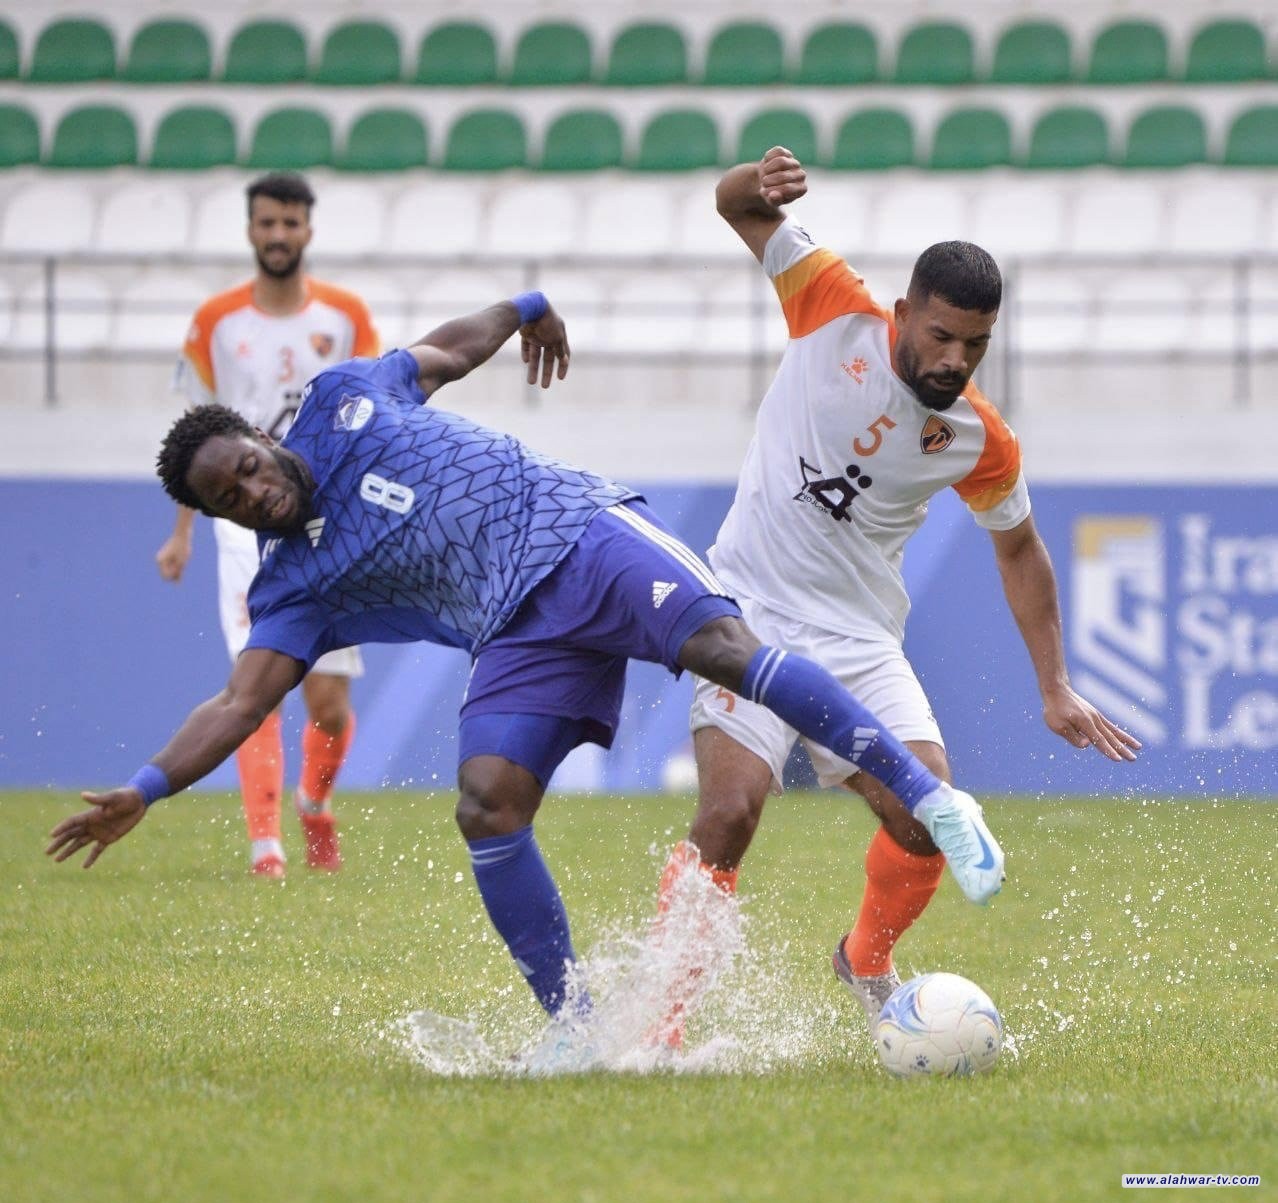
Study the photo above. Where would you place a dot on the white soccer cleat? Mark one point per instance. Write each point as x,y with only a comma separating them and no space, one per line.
953,820
870,991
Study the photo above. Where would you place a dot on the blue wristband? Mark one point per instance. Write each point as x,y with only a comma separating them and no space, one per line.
150,781
531,306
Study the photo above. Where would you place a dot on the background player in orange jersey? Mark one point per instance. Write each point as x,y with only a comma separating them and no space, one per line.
871,413
253,348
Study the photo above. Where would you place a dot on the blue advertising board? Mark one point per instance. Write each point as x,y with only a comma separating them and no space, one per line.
1170,611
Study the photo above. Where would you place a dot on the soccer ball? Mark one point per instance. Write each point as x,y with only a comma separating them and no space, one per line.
939,1023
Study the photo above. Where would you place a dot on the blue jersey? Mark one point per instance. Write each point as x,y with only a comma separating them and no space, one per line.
425,526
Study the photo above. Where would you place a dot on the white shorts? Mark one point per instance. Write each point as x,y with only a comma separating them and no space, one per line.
877,672
236,566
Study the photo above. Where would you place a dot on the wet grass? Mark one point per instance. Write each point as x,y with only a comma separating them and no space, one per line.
171,1029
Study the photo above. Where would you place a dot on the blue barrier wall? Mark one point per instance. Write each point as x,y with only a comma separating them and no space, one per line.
1171,617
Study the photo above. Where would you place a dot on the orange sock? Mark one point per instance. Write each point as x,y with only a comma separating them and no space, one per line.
322,758
898,887
261,763
682,855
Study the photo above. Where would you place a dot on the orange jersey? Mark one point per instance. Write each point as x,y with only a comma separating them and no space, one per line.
845,458
258,363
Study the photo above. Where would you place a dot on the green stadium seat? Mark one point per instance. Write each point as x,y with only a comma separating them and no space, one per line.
678,140
1032,52
745,54
385,140
19,136
1226,52
486,140
647,55
73,51
1129,52
790,128
1253,138
194,138
359,53
94,136
455,54
1166,136
168,52
582,140
1068,137
266,52
936,52
10,60
838,53
550,54
291,139
873,140
971,139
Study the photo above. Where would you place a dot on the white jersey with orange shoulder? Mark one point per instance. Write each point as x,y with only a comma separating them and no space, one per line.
258,363
845,458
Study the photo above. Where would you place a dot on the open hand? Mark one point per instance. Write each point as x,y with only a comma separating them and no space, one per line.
1078,722
543,344
781,177
110,816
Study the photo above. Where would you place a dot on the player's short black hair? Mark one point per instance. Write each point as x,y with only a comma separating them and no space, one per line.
960,273
186,436
287,187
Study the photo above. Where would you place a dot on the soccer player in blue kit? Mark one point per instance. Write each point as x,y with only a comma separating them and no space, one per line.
383,519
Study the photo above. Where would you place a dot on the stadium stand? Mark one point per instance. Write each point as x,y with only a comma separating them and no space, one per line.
1129,52
969,139
359,54
1033,52
168,52
1253,138
385,140
10,60
266,52
678,140
456,54
553,54
647,55
292,138
1166,136
19,136
778,127
745,54
194,138
873,140
1227,52
936,53
838,54
1069,137
73,51
582,140
486,140
94,136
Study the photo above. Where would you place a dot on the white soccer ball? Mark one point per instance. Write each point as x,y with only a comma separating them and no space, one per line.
939,1023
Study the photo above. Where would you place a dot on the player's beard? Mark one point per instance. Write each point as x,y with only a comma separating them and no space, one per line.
289,268
925,388
295,469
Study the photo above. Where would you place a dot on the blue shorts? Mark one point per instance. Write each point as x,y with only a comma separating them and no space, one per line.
629,590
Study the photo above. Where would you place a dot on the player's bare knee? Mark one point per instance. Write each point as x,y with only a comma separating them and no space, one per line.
720,651
494,799
734,814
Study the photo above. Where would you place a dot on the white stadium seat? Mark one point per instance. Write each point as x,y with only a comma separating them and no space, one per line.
1017,216
348,218
154,310
655,311
1221,214
1111,217
145,217
909,217
836,212
1051,311
700,233
1144,312
436,297
580,294
49,216
633,217
221,221
444,216
535,218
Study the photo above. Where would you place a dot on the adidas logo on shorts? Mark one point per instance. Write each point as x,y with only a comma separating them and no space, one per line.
661,590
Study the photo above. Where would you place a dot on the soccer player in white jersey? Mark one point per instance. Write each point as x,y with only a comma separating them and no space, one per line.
872,412
253,348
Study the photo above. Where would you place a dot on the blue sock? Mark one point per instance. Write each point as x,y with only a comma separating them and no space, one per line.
524,904
812,701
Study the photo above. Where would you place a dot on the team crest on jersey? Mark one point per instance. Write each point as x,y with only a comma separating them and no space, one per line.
322,344
937,434
352,413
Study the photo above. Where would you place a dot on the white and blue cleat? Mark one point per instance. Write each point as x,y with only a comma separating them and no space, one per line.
953,820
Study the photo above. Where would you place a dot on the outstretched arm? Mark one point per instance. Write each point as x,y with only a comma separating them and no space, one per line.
1030,586
456,348
749,196
212,731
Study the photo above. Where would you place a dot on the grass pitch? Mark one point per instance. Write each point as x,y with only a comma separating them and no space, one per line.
172,1030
